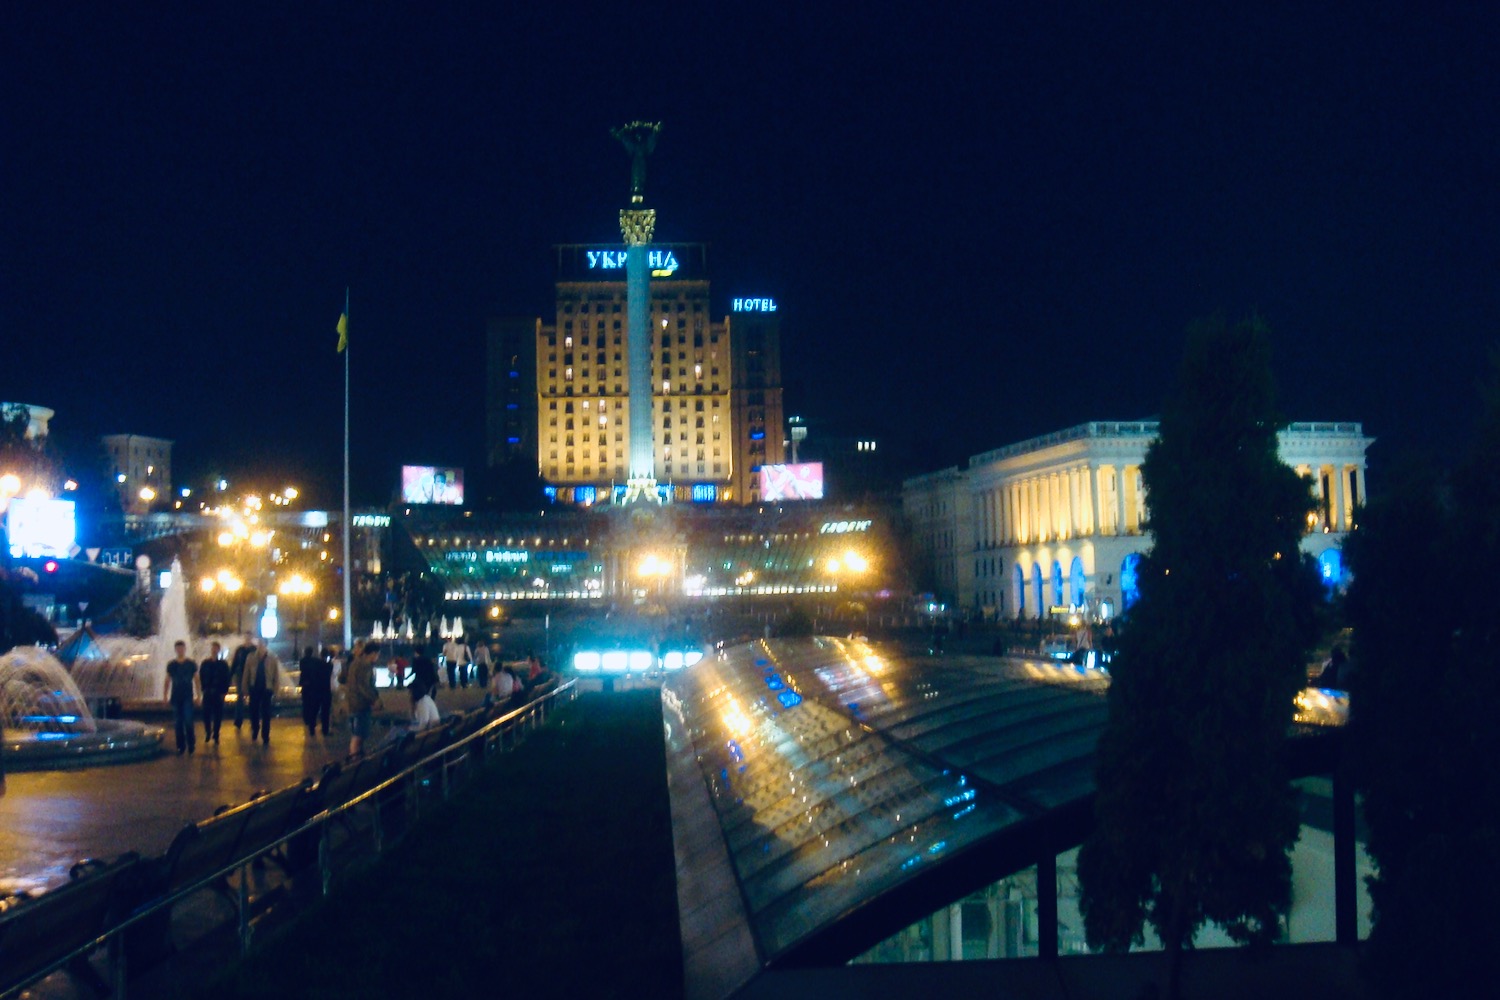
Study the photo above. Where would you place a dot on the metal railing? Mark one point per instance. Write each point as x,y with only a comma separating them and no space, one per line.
503,729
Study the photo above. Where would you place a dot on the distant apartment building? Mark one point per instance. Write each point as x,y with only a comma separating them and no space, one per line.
1059,521
141,468
510,397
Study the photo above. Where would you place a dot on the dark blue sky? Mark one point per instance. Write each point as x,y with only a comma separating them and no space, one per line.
985,225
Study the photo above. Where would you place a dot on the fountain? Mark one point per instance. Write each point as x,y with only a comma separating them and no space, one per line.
48,723
134,671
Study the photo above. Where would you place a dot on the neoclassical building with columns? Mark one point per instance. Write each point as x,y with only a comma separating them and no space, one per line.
1056,521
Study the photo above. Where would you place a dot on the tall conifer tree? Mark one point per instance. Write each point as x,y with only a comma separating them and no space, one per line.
1194,817
1423,701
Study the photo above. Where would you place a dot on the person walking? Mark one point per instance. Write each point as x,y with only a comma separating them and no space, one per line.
237,677
456,655
359,683
482,665
424,676
262,678
315,678
213,681
178,689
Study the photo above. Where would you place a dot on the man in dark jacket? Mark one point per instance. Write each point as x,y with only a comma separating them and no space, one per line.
213,681
316,681
237,677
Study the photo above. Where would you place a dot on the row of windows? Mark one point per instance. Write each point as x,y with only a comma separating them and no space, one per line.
603,467
615,336
683,388
666,406
614,305
666,363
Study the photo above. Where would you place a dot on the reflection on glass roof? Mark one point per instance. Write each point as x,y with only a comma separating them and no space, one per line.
839,770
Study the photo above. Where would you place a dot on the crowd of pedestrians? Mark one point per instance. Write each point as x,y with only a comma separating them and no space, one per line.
332,686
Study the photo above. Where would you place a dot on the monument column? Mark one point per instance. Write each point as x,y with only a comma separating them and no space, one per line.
637,225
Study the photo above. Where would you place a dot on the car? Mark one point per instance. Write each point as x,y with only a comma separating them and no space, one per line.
1057,647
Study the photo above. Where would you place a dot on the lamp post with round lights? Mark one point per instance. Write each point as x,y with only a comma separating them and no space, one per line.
227,584
297,589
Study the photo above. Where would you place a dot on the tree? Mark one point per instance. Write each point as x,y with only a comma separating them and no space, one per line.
1424,694
1194,818
134,613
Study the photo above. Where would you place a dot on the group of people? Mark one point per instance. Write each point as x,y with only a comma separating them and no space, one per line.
253,671
466,664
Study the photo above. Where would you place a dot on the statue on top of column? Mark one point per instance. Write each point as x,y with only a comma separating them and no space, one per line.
639,139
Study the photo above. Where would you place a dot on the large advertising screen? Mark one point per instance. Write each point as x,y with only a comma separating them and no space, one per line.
40,527
792,482
431,484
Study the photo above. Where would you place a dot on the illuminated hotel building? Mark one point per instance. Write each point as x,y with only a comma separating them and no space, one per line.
1057,521
716,408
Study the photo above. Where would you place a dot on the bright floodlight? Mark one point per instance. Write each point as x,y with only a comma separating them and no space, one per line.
641,660
614,662
586,662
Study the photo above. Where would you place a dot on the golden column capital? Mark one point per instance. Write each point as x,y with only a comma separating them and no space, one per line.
637,225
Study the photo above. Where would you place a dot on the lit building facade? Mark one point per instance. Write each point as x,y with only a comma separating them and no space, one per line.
716,395
1057,521
141,468
37,418
510,396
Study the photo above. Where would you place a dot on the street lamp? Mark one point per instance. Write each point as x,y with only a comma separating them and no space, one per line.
296,588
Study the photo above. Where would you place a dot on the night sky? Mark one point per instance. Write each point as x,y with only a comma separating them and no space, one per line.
982,226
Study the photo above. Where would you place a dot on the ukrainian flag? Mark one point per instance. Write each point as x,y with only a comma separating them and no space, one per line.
343,329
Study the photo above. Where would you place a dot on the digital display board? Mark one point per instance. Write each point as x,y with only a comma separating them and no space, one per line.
792,482
431,484
41,527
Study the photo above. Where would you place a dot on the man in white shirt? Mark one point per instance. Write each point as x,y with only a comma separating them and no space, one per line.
456,655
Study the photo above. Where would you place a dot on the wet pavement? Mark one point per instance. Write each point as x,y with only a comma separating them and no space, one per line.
51,819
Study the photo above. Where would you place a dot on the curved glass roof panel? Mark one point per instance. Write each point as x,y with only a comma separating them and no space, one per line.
839,771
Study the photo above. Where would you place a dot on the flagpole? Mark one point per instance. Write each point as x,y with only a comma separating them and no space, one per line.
348,523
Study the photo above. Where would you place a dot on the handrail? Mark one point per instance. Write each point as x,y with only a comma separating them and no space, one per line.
320,819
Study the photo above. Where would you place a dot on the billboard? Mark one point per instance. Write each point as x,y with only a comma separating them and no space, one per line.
792,482
41,527
431,484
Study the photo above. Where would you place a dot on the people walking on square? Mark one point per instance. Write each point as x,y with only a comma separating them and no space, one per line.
178,689
262,679
237,677
213,681
359,684
456,655
482,665
315,678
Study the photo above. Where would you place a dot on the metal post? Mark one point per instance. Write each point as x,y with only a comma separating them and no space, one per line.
1345,882
443,765
117,967
379,839
1046,905
325,870
244,909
